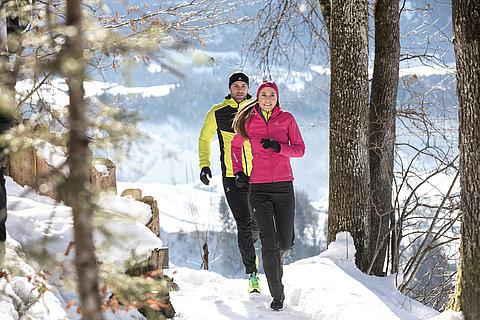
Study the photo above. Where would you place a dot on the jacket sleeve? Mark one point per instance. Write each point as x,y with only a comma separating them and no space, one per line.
296,147
206,136
236,153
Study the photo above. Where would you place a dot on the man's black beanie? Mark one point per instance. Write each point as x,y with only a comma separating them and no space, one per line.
237,76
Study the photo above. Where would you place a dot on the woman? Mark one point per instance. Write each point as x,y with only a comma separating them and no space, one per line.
275,138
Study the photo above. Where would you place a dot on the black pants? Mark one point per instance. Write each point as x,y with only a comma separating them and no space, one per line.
273,207
3,206
247,232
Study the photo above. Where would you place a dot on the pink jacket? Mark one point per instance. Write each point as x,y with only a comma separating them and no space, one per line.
267,165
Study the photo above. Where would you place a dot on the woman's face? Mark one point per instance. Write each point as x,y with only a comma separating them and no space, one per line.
267,99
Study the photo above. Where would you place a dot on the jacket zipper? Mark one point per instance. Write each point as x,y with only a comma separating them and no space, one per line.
245,161
268,135
243,149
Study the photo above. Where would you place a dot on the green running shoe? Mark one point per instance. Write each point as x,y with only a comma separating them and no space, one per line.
254,283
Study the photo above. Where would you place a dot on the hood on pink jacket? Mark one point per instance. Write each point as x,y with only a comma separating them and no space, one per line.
267,165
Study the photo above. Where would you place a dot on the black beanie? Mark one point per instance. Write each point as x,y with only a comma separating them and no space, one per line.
237,76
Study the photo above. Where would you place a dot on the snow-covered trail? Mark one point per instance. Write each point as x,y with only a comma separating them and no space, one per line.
207,295
325,287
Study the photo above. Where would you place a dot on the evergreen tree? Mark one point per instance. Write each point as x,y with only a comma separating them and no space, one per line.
226,216
78,160
306,219
307,237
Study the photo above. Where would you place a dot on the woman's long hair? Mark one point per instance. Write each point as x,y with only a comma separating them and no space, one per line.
241,117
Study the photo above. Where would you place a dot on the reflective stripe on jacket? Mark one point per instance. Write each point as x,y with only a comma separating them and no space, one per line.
269,166
219,120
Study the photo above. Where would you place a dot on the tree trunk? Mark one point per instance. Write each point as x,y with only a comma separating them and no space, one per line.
325,8
383,99
73,65
349,204
205,256
466,23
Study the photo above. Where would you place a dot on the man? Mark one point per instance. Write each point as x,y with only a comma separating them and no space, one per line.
219,120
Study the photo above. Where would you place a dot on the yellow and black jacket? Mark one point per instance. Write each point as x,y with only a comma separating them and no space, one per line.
219,120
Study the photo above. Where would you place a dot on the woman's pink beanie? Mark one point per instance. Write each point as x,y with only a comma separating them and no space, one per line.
266,84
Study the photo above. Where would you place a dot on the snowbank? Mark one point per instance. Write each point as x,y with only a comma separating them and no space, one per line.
121,234
39,223
19,292
327,286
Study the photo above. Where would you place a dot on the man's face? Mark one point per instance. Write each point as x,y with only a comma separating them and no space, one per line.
239,90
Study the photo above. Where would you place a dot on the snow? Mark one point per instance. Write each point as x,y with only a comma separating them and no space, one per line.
57,94
421,70
326,286
138,211
296,86
21,288
449,315
320,69
152,91
33,218
53,155
425,71
38,222
184,207
102,169
154,68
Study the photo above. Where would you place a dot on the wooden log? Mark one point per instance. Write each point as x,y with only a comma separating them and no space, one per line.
103,175
55,138
41,128
155,264
159,258
50,180
133,193
154,223
47,179
28,168
22,166
163,257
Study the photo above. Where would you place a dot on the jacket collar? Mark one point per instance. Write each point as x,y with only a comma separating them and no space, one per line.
275,111
231,102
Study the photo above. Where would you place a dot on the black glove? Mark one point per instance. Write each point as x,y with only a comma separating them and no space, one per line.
270,144
241,179
203,175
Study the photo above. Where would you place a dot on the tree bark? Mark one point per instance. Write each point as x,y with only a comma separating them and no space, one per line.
466,23
349,204
383,99
325,8
73,66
